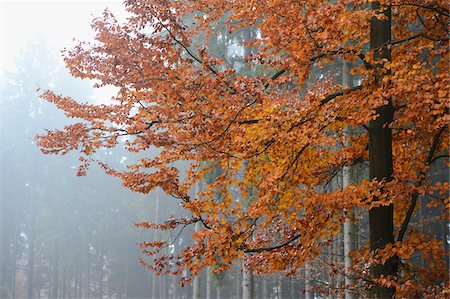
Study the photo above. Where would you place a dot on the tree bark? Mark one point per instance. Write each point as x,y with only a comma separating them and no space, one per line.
208,284
346,180
308,287
247,283
381,219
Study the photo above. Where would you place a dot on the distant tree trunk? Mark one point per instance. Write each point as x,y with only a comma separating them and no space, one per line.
126,276
219,291
247,283
196,286
163,286
101,263
75,282
208,284
78,282
280,287
238,279
308,287
55,279
155,278
87,264
63,287
381,219
341,262
14,258
292,287
335,262
30,266
265,287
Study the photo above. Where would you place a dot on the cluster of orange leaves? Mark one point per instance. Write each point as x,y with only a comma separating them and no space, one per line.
287,127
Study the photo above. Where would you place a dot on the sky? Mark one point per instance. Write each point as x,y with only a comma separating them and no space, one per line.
56,22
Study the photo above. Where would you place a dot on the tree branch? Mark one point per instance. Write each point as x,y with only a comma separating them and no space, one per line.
415,195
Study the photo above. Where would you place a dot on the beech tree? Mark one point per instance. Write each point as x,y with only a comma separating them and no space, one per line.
287,126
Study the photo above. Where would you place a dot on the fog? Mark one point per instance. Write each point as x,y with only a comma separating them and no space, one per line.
63,236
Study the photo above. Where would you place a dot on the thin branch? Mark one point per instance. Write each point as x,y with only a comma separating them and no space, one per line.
415,195
261,249
339,93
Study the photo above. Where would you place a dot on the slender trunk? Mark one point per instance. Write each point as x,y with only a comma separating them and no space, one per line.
308,287
265,287
208,284
30,273
247,283
55,280
238,280
75,282
87,264
126,277
280,287
219,291
381,219
78,283
163,287
346,180
196,283
14,258
155,237
63,287
292,287
101,263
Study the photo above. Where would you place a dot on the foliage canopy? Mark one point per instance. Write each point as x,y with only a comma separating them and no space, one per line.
287,125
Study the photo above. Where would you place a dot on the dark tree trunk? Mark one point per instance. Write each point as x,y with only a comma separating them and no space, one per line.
381,219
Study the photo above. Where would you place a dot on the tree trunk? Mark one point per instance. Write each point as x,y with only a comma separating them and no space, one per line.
196,283
63,287
55,280
208,284
247,283
126,276
292,287
30,265
238,279
14,258
101,263
346,180
265,287
155,237
87,264
219,291
308,287
381,219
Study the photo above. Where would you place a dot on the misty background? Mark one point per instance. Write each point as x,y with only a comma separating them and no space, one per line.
62,236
